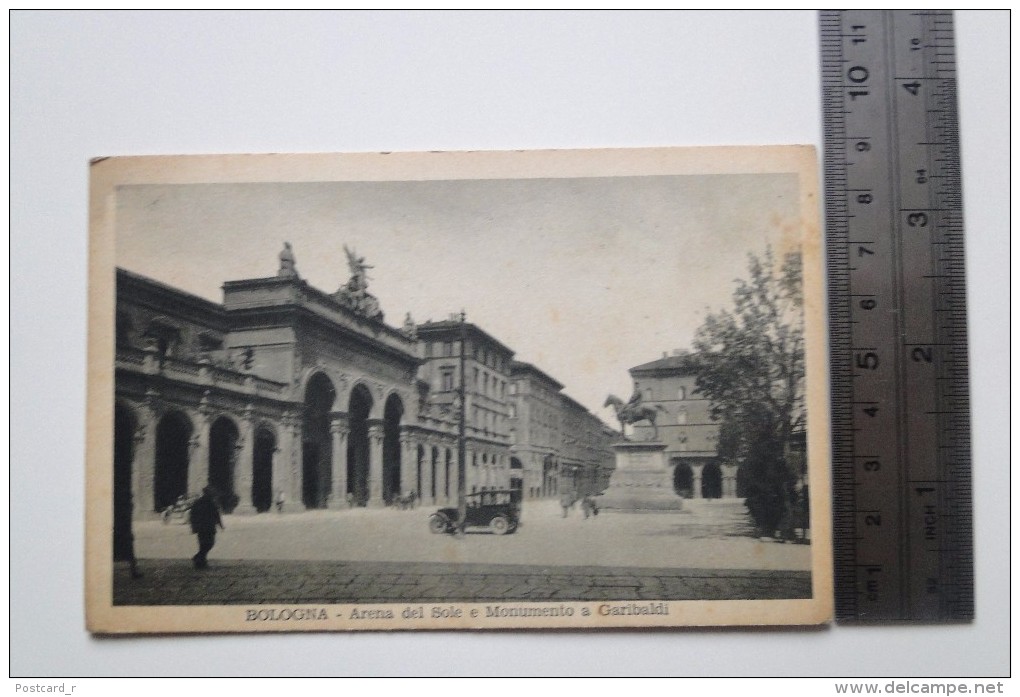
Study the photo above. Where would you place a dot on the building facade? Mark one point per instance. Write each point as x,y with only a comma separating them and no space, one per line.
558,445
587,460
287,395
486,366
685,425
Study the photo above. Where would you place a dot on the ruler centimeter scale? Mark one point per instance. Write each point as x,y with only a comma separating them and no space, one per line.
902,503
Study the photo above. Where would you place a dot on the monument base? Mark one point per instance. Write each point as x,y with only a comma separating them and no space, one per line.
641,482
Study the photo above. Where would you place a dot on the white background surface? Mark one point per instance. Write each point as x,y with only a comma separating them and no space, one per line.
92,84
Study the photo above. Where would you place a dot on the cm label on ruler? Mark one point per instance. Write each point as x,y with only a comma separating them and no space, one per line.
897,224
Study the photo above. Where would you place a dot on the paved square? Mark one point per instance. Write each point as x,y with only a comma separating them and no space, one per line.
372,555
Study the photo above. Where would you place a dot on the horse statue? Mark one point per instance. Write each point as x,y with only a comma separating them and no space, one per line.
633,413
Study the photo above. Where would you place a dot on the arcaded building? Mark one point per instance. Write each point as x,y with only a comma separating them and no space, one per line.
286,395
685,425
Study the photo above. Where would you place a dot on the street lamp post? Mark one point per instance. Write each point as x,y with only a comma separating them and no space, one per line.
461,434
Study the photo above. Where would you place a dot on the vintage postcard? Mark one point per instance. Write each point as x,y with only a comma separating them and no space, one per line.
394,391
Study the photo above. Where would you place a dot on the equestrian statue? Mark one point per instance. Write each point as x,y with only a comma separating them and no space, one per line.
634,411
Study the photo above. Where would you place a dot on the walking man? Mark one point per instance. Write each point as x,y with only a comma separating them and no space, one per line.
205,518
567,499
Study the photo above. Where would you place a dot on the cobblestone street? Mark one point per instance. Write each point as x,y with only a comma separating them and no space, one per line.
372,555
174,582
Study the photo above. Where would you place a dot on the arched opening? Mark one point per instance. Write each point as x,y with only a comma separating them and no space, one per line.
548,468
262,470
683,478
435,466
357,445
421,462
222,458
123,454
391,448
711,481
446,478
316,443
173,437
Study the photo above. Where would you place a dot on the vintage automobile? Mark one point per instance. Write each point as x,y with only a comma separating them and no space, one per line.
498,510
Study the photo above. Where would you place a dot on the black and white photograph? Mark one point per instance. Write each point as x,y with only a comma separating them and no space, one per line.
457,390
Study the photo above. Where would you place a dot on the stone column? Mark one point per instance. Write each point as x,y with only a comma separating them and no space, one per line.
375,443
286,475
696,480
729,482
339,430
198,454
408,459
143,466
426,475
244,464
297,475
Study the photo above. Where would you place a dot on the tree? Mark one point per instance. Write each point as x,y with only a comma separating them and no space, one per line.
751,366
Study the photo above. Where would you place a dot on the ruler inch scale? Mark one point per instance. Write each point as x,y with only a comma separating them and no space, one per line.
902,497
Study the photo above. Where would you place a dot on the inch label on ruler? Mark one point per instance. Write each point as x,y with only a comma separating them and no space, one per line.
897,317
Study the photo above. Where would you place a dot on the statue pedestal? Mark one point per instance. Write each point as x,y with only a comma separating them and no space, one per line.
641,482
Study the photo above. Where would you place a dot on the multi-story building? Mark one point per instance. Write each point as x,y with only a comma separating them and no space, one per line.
535,411
685,425
486,367
557,442
287,394
587,459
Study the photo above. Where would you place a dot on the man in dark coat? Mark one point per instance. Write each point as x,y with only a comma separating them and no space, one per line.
205,517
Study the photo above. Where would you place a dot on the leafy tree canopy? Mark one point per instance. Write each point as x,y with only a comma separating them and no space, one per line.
751,367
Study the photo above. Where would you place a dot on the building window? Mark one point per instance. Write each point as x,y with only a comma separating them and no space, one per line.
447,380
681,394
681,417
513,388
513,411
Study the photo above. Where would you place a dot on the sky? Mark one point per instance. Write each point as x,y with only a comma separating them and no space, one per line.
583,277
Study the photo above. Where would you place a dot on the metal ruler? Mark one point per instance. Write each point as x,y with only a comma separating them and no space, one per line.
897,317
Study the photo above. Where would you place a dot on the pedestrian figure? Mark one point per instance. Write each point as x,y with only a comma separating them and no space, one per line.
205,517
566,501
281,498
589,507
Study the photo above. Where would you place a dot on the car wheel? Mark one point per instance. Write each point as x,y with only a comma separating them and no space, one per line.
499,525
437,524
